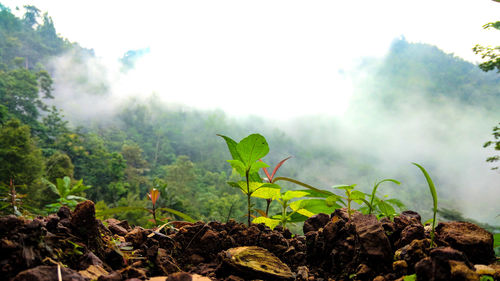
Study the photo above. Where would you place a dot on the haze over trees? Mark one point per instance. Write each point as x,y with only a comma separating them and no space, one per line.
145,144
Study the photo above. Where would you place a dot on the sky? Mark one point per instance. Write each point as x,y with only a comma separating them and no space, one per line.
270,58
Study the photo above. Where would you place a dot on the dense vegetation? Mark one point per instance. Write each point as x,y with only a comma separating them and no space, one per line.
149,146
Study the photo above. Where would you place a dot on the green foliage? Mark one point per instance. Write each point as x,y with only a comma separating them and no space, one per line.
20,157
495,143
58,165
432,189
412,277
245,155
67,192
496,244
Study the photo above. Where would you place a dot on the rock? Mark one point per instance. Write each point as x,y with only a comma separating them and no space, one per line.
118,230
302,273
469,238
93,272
444,263
256,261
315,222
400,267
184,276
482,269
410,233
136,236
460,271
85,225
165,262
49,273
113,276
64,212
375,244
413,252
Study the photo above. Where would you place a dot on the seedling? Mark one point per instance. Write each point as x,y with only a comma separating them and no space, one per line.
246,155
375,190
351,195
432,188
66,192
270,179
153,195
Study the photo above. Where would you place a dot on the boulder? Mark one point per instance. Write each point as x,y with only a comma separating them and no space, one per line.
475,242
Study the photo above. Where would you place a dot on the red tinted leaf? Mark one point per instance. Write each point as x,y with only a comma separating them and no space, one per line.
266,172
154,195
277,167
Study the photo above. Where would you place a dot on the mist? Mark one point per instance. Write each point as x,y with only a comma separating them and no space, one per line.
371,138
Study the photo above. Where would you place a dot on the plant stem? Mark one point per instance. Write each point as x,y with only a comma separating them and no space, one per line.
267,207
248,195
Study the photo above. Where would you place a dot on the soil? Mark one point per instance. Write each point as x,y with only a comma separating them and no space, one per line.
79,247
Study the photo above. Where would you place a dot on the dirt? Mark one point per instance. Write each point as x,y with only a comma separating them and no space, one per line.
80,247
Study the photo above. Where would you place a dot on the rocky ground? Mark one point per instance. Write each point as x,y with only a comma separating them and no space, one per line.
333,248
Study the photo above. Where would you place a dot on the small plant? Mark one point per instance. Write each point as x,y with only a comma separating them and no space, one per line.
374,190
11,200
153,195
66,192
246,155
270,179
432,188
351,195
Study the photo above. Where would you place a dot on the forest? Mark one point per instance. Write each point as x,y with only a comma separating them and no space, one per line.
147,144
64,140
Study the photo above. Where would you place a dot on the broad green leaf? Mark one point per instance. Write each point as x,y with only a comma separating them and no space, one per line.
310,207
252,148
332,200
255,167
253,186
52,186
357,195
231,145
74,197
291,194
386,209
238,166
267,192
272,223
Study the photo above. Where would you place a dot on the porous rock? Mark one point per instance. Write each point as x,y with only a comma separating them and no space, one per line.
49,273
315,222
475,242
256,261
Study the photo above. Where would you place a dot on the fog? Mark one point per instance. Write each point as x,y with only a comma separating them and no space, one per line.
373,140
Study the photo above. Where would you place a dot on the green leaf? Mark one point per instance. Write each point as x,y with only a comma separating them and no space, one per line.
357,195
238,166
272,223
431,186
396,202
310,207
267,192
177,213
255,167
386,209
291,194
412,277
332,200
344,187
231,145
252,148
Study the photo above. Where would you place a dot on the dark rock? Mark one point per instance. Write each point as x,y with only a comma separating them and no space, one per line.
113,276
118,230
48,273
443,264
85,225
136,236
413,252
64,212
315,222
409,234
469,238
89,259
165,262
411,214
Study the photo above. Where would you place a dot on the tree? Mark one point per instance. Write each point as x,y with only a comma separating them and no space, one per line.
21,159
492,54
